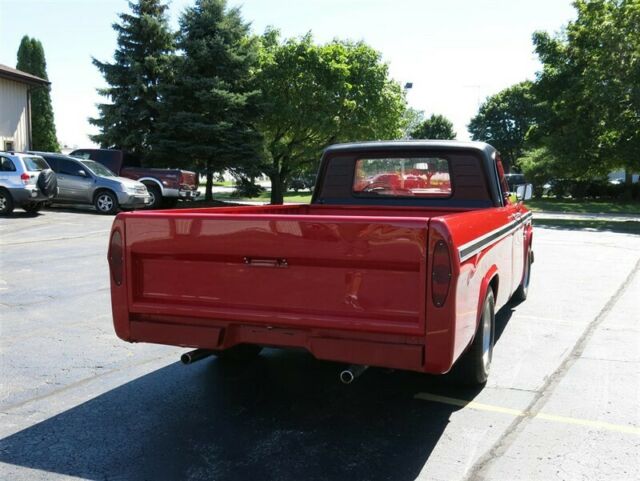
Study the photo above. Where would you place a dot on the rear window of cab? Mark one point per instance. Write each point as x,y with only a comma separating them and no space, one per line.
425,177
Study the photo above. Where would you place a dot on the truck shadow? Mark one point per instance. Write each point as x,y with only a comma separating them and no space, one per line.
284,416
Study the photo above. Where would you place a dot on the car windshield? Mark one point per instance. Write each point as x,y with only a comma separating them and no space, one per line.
35,164
98,169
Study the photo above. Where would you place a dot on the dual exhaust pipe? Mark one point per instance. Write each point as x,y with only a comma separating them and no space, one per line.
347,376
193,356
351,373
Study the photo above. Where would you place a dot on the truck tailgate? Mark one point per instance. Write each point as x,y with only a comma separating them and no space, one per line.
362,273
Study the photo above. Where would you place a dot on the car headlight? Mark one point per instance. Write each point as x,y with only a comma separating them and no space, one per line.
135,189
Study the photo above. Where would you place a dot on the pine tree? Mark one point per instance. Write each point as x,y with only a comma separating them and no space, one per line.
43,128
210,105
143,55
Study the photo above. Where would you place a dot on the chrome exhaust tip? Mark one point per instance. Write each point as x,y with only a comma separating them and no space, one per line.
351,373
193,356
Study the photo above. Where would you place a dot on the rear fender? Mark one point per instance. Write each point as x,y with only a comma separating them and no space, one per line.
151,180
487,282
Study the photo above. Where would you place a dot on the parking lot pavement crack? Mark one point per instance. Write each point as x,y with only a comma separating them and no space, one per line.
81,382
499,448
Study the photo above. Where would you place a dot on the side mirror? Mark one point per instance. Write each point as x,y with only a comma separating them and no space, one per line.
82,173
524,192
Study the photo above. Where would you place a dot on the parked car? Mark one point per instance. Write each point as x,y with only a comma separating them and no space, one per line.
88,182
166,186
368,274
26,181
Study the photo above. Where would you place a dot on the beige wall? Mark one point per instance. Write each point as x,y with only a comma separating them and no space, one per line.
14,121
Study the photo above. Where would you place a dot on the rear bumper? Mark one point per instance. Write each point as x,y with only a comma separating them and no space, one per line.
379,350
133,200
181,194
28,195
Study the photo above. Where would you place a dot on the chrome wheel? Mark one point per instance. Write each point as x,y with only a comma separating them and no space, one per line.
487,337
106,203
6,202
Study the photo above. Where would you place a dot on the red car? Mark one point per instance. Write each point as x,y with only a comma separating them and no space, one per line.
371,273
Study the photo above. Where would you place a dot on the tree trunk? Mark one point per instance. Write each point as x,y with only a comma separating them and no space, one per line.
628,185
208,195
277,188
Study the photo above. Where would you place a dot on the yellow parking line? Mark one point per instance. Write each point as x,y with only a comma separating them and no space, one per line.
618,428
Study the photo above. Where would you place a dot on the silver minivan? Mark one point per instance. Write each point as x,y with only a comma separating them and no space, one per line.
88,182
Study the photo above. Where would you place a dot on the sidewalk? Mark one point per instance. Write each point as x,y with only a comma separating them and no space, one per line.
585,216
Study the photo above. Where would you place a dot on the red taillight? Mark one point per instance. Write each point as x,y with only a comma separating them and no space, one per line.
440,273
116,257
25,178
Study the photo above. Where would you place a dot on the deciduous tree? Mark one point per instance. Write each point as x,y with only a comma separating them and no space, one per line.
503,121
436,127
314,95
590,91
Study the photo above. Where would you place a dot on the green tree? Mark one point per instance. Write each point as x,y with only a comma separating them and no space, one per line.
143,55
315,95
590,91
31,60
210,105
436,127
539,167
504,120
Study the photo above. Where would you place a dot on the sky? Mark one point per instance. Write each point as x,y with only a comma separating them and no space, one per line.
455,52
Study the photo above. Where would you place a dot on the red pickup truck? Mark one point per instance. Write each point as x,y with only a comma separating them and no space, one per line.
401,260
165,186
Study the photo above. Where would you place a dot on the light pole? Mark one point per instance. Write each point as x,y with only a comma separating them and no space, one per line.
407,86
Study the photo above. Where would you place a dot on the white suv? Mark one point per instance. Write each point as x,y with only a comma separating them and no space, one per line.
25,181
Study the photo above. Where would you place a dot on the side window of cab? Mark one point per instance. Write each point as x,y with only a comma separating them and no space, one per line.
504,186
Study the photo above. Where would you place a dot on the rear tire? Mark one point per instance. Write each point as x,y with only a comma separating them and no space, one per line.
106,202
6,202
156,196
523,289
33,208
474,365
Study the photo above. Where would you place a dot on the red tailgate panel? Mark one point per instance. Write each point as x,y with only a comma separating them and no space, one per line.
316,271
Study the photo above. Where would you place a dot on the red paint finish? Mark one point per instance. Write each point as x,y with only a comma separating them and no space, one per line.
348,283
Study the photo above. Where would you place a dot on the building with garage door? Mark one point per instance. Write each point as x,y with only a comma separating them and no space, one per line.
15,107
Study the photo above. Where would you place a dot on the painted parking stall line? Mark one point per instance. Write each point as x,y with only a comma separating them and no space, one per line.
600,425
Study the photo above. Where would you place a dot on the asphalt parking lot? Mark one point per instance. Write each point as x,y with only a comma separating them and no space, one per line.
563,400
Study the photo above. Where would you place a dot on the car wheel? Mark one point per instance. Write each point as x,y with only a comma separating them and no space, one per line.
32,208
156,196
523,289
106,202
6,202
474,365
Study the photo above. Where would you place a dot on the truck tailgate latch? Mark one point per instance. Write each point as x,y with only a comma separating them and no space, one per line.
255,262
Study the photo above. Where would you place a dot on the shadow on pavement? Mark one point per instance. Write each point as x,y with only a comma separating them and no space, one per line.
284,416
